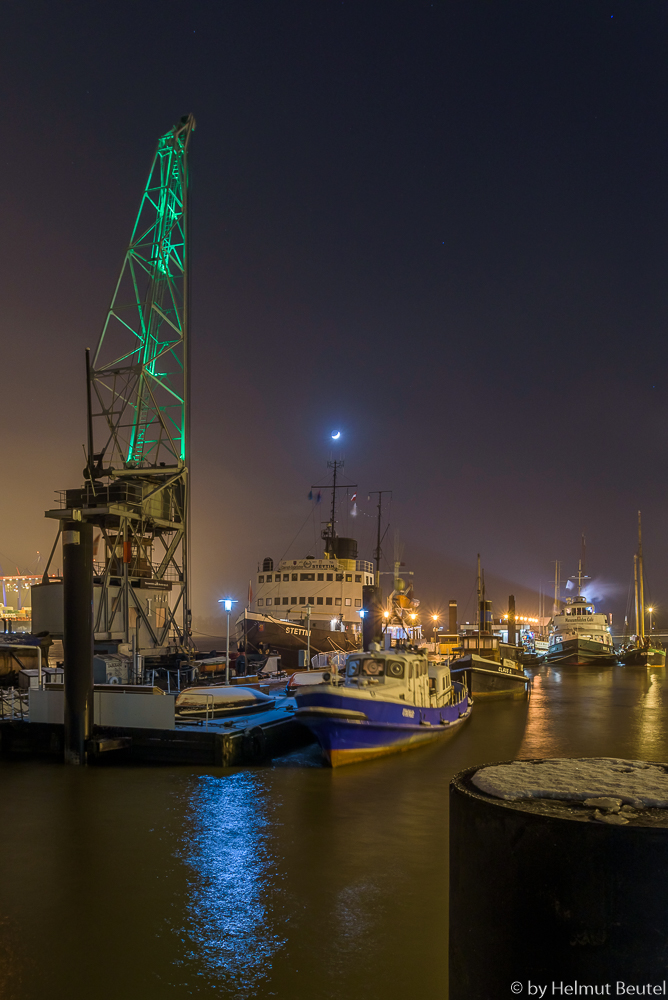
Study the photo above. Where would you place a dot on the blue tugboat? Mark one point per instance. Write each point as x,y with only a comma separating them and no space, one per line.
388,700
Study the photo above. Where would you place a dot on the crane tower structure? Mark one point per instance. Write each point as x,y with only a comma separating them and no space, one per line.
136,490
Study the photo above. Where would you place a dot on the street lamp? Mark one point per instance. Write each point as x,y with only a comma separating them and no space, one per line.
227,604
413,617
651,611
434,618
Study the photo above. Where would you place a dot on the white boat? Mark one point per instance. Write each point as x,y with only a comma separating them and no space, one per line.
220,700
578,635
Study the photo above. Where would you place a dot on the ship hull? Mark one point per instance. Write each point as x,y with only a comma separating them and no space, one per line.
351,728
488,680
288,638
644,658
580,652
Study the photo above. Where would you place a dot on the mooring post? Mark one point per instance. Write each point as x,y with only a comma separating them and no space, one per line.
78,637
570,863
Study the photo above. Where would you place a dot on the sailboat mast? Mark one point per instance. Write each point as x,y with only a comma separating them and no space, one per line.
641,589
479,595
635,590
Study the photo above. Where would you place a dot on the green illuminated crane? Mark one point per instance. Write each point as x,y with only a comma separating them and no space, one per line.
136,477
139,370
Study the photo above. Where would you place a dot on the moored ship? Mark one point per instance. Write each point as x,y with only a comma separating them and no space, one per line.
642,651
389,701
309,605
490,667
578,635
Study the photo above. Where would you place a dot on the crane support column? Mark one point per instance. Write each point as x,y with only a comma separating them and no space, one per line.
78,637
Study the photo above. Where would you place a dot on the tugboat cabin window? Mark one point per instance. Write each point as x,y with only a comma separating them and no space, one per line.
358,603
286,578
293,600
268,601
337,601
286,600
348,602
268,577
260,602
302,600
395,668
373,668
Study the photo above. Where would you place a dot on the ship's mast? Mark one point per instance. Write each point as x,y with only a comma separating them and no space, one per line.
329,531
379,494
641,589
479,596
635,590
557,587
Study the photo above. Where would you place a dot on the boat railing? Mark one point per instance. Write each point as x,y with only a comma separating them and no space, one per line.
13,704
209,701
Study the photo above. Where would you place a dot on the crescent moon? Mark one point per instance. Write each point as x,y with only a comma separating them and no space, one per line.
336,436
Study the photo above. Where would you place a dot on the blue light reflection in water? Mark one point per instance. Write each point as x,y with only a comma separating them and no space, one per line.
230,931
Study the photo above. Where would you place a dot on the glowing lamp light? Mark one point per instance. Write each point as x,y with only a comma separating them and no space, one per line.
362,613
434,618
413,617
386,614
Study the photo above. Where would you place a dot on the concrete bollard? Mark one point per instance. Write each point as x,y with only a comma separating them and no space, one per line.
559,878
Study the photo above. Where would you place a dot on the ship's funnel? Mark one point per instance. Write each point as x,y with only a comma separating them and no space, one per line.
452,618
343,548
512,634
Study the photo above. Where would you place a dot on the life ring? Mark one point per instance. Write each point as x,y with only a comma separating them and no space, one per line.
255,743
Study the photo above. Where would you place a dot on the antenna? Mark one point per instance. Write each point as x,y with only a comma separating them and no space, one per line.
379,494
329,532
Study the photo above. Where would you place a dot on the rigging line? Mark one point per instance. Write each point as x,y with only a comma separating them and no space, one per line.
296,537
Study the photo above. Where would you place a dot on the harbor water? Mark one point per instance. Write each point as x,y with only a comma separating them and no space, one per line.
283,880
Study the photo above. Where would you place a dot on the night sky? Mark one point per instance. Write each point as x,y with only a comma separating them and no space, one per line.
439,227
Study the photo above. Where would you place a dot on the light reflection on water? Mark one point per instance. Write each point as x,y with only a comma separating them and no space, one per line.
230,932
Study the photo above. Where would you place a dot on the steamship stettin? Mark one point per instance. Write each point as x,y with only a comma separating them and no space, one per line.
323,596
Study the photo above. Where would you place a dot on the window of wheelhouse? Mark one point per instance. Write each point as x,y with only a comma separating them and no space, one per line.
372,667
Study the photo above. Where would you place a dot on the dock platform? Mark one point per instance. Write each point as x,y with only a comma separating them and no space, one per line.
223,742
